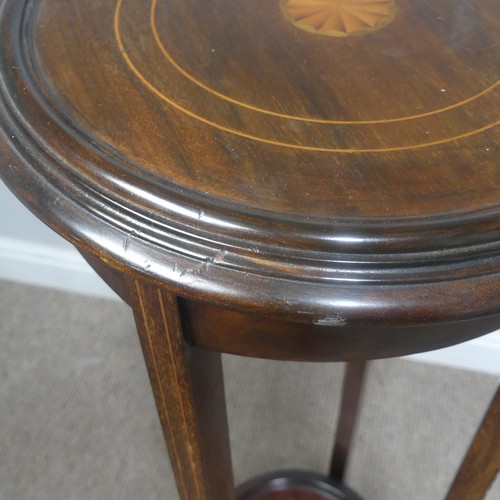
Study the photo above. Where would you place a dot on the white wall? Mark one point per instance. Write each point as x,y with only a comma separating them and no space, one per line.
31,253
17,223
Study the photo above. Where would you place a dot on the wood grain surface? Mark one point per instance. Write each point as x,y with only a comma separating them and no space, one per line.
189,392
294,485
221,150
258,178
229,99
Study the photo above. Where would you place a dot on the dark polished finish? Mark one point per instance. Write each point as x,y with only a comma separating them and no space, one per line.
482,461
352,389
189,392
102,134
263,178
295,485
220,329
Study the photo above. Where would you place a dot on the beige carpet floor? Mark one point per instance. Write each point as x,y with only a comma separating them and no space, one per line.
77,417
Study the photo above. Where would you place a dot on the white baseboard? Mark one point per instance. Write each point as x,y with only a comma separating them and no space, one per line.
65,269
49,266
480,355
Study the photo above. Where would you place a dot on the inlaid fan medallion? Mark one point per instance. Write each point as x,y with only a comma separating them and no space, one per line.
339,17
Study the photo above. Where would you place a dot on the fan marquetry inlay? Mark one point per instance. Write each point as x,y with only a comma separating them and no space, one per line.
339,17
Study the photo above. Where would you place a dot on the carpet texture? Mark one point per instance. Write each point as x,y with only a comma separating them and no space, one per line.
77,417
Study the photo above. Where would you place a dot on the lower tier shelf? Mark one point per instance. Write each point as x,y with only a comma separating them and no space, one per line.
295,485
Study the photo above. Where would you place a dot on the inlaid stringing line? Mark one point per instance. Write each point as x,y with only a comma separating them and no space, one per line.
199,83
181,399
180,468
177,106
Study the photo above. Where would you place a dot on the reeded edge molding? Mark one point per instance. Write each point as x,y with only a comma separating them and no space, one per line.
343,236
188,241
320,303
321,234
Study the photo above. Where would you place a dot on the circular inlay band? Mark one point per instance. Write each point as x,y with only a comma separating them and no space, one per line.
192,78
320,135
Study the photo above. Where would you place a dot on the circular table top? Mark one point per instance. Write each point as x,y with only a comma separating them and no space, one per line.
331,160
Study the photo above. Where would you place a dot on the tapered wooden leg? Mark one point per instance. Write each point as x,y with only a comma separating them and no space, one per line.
482,461
189,392
354,376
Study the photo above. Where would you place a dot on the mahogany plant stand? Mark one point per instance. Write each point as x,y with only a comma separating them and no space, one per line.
286,179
